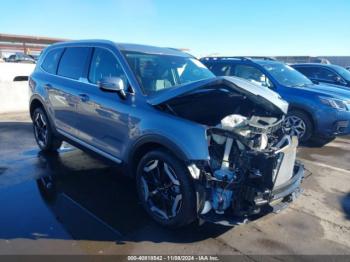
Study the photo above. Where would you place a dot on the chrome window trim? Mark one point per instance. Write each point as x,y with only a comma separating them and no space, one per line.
87,81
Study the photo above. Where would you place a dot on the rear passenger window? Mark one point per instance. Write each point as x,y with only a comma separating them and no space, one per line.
73,62
252,74
307,71
221,69
51,60
104,64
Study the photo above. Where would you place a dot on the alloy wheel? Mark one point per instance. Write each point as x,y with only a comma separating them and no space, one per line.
40,129
294,126
161,189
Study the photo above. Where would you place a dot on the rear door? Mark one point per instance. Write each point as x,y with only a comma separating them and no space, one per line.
64,92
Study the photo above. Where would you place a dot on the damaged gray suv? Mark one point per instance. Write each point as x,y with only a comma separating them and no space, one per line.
200,147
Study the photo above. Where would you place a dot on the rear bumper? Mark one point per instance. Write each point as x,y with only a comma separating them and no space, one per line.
279,198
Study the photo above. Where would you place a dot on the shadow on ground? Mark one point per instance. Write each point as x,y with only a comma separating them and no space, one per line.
102,204
91,199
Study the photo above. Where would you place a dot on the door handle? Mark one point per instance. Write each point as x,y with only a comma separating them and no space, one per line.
84,97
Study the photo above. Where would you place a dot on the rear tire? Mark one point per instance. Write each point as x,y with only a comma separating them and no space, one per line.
165,189
43,133
298,123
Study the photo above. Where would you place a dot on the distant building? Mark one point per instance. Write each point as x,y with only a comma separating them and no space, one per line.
10,44
338,60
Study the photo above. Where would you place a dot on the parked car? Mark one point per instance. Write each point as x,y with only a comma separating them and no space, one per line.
20,58
199,146
316,111
35,57
322,73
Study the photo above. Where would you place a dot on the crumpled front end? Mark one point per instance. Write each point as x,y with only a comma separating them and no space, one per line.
252,170
250,167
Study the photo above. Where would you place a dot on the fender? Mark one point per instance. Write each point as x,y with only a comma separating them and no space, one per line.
158,139
36,97
152,138
306,109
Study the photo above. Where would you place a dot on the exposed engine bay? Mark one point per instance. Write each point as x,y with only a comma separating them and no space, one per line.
252,161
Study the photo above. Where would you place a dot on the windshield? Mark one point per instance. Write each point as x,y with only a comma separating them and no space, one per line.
343,72
286,75
156,72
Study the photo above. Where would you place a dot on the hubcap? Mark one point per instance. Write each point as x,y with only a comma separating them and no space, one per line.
40,129
161,189
295,126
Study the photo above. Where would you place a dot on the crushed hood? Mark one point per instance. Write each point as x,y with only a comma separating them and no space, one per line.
263,96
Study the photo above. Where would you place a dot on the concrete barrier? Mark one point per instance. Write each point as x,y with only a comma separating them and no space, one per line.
8,71
14,96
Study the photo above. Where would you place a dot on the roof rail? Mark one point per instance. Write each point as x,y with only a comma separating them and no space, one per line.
268,58
244,58
224,58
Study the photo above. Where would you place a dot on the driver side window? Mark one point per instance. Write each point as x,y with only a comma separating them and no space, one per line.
325,74
104,64
252,74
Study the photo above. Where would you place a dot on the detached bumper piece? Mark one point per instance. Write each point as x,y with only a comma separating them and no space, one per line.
261,203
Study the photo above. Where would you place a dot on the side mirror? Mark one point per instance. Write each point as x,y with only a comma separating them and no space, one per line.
112,84
338,79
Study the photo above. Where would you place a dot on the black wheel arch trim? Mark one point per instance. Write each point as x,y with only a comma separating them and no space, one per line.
156,139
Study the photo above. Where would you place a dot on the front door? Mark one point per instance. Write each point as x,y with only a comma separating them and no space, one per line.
104,117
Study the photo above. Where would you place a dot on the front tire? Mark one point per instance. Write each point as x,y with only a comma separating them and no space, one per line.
165,189
43,133
298,123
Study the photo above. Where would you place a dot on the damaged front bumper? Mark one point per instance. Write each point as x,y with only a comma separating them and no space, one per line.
269,181
276,200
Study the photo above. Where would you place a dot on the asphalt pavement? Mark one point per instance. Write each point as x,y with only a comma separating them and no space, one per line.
72,203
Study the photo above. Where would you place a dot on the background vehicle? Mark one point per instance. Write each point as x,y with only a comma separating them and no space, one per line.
316,111
142,107
321,73
20,58
35,57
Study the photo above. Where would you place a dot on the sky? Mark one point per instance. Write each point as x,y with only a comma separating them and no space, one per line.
222,27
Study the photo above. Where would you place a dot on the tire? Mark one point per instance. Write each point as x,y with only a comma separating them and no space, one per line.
43,133
299,123
165,189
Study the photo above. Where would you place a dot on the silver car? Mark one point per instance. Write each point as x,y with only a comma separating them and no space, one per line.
200,147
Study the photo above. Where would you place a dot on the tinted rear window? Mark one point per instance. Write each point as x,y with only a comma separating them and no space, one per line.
308,71
51,60
221,69
73,62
